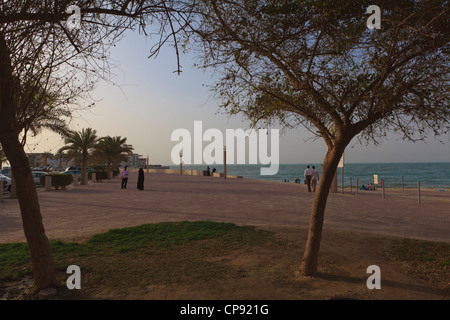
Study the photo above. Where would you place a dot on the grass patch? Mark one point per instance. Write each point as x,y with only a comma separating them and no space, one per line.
14,259
166,234
163,253
423,259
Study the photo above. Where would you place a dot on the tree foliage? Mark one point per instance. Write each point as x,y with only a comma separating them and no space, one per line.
113,150
81,144
316,64
46,66
56,66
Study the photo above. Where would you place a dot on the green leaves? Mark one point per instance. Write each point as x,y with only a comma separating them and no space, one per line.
82,141
113,150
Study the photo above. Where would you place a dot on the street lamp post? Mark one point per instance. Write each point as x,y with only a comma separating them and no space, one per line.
224,162
181,162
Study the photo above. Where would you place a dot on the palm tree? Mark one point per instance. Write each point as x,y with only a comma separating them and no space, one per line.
81,143
45,156
60,155
113,150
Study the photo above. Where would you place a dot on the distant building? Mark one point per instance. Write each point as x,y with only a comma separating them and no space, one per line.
37,160
142,162
138,161
135,161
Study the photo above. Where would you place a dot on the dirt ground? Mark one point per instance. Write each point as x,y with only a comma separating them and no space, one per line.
270,273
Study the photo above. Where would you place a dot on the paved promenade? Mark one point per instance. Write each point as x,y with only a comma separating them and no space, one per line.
80,212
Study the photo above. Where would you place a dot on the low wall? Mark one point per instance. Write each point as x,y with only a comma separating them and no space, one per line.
203,173
172,171
177,171
221,175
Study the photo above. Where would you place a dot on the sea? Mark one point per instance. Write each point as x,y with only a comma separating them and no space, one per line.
434,175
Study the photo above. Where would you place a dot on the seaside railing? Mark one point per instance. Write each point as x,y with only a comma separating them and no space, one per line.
382,187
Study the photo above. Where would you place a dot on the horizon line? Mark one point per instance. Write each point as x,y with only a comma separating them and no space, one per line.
305,163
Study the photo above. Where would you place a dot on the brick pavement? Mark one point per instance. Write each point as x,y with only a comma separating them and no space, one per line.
82,211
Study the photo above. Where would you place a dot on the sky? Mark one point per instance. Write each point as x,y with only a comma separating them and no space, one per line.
148,101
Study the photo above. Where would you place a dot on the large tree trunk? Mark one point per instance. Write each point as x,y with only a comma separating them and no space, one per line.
311,255
38,244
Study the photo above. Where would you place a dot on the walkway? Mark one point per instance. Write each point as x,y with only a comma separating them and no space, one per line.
82,211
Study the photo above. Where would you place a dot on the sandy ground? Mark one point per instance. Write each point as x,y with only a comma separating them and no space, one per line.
357,227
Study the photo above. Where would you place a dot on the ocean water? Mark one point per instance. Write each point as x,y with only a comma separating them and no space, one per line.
430,175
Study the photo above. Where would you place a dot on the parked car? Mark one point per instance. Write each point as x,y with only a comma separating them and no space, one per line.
72,172
6,183
78,169
37,176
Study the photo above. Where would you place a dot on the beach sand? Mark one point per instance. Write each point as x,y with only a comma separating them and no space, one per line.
357,228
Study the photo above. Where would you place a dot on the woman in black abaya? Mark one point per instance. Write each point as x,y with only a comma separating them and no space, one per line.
140,183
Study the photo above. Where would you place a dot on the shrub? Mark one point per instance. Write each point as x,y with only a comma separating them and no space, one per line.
58,179
99,175
101,172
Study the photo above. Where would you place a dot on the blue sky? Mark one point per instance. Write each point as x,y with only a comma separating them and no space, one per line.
153,102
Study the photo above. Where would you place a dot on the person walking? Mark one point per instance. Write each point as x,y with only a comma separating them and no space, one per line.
308,176
140,183
124,177
314,178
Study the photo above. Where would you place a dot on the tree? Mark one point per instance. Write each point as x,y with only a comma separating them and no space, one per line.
81,143
45,156
113,150
316,64
60,156
41,53
42,104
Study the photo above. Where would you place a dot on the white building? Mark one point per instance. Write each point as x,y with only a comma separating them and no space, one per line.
135,161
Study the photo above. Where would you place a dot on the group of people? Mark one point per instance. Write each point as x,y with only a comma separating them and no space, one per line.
124,175
311,176
140,183
208,171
